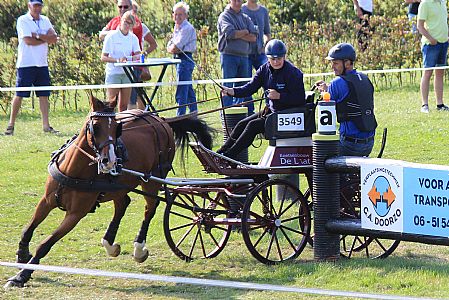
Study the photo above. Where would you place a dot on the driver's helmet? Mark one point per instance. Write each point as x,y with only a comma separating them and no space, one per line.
342,51
275,48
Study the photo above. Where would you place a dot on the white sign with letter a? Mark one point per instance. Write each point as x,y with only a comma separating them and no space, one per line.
327,117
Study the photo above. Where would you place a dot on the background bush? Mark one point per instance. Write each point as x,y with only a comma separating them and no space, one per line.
309,28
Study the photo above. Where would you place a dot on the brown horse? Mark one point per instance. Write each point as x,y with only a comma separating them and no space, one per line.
85,172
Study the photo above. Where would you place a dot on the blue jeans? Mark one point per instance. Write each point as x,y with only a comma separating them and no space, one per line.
234,66
256,60
348,148
185,93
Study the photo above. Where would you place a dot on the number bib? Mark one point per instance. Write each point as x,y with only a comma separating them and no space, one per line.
291,122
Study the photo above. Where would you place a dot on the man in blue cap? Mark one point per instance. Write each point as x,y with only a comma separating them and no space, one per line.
35,33
284,88
354,94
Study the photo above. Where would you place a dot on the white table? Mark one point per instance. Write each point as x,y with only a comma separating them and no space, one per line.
149,62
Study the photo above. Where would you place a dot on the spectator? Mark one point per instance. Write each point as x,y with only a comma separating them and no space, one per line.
259,15
152,45
35,32
120,45
182,45
284,87
235,33
412,12
364,10
432,24
354,95
123,6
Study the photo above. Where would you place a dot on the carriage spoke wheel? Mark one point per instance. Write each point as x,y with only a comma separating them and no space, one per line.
275,222
308,198
351,246
191,234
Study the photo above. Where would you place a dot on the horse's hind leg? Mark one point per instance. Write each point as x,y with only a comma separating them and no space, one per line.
42,210
69,222
120,206
140,251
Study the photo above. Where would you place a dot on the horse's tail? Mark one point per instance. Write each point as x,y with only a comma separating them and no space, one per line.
184,125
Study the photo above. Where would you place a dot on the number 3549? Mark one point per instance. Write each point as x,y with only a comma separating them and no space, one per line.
295,121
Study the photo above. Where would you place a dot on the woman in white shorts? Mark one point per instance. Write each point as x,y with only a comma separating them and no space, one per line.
120,45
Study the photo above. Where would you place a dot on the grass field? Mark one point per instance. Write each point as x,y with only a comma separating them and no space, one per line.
412,270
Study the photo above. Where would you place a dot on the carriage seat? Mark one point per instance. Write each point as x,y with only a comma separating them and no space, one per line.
294,122
290,136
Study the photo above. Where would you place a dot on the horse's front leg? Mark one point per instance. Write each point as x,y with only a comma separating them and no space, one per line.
42,210
140,251
120,206
69,222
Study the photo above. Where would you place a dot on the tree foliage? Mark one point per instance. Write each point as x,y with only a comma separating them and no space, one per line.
309,28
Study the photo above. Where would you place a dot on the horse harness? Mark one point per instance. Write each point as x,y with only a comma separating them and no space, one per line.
89,185
165,166
109,183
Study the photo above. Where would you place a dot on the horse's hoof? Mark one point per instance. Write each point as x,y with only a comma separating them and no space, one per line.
142,258
140,252
12,283
112,250
116,249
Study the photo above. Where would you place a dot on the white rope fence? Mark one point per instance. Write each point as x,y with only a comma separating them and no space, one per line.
195,82
205,282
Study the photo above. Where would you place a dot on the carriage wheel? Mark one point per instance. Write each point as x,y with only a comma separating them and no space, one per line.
308,198
275,222
360,245
191,234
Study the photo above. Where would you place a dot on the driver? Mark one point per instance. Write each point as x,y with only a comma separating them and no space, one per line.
284,88
354,94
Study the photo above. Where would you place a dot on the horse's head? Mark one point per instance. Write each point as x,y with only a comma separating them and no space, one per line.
102,132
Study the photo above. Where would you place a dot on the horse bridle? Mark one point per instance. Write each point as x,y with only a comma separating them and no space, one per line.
92,143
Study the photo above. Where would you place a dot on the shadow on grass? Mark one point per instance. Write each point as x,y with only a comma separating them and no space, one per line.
151,289
289,272
286,274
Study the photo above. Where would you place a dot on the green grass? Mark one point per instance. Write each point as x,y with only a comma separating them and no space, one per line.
413,270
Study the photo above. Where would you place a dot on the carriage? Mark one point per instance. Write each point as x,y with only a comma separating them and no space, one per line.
270,210
115,153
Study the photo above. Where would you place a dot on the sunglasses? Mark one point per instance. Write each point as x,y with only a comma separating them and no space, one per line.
123,6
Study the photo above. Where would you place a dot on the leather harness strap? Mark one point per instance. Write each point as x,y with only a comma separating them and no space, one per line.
84,184
94,185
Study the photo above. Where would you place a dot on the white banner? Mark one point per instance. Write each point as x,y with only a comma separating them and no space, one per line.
382,197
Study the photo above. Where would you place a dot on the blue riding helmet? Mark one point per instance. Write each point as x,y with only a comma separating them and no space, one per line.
342,51
275,48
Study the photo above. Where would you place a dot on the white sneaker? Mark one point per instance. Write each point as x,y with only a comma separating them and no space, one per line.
425,108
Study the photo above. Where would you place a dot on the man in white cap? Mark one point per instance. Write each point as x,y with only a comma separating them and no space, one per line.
35,32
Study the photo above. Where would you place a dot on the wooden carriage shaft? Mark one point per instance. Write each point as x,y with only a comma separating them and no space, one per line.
204,182
186,185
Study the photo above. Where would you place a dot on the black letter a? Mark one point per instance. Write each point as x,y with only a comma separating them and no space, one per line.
326,118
